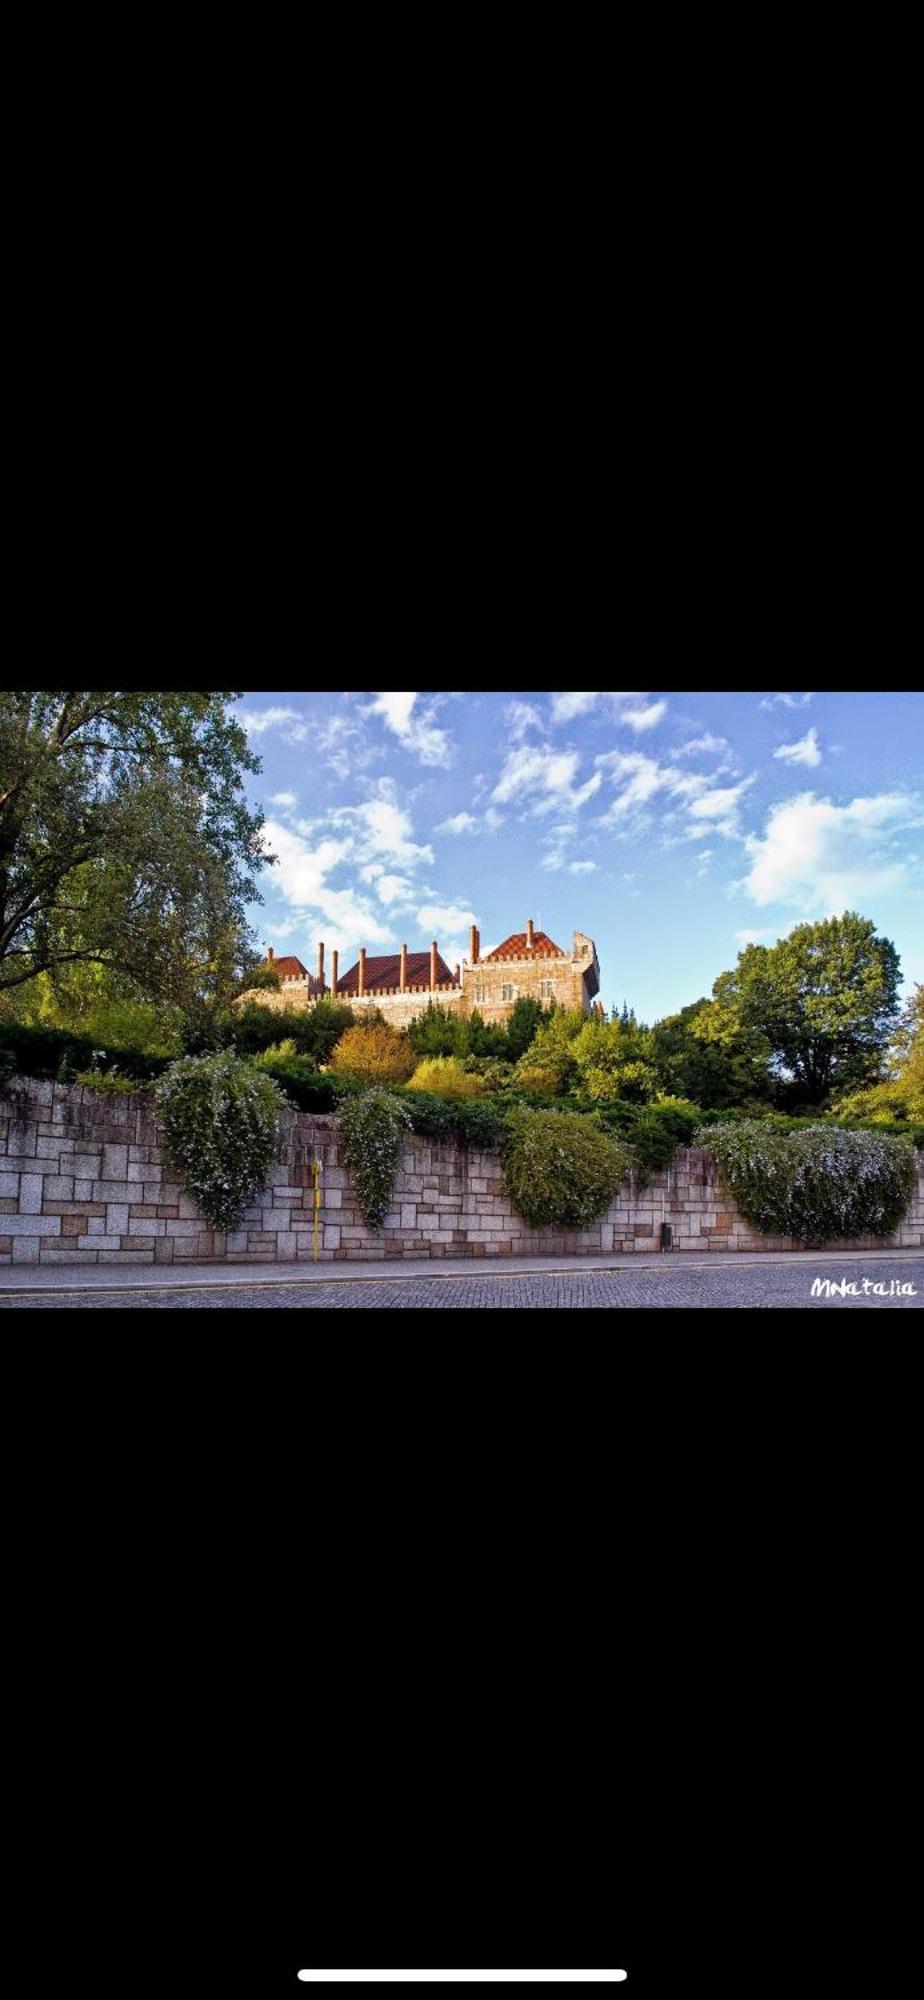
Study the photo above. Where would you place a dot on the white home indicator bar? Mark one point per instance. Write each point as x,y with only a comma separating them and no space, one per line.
396,1978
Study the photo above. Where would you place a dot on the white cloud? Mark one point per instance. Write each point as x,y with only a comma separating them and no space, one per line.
644,718
436,917
493,819
546,779
830,857
707,744
806,751
566,706
257,721
461,822
581,867
758,936
787,700
414,727
393,888
384,827
285,800
640,779
521,716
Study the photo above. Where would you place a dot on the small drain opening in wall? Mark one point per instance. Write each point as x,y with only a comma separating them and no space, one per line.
667,1235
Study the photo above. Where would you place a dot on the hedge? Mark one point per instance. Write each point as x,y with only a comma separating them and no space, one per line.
58,1053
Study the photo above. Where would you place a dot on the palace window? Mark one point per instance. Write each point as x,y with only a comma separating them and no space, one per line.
546,989
508,993
481,996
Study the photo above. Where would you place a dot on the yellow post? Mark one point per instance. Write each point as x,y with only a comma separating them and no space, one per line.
317,1202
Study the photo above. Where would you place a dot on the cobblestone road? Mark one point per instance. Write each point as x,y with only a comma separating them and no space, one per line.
760,1286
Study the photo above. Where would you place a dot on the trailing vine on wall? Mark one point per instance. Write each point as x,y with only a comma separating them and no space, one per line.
221,1120
375,1127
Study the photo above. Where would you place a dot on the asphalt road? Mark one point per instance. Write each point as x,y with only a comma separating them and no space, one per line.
748,1286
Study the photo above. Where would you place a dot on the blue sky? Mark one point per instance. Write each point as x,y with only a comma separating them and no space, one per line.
673,828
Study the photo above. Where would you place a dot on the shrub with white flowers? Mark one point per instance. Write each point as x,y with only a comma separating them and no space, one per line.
221,1122
375,1127
815,1184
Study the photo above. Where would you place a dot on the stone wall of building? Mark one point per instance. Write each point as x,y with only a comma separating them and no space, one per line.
82,1181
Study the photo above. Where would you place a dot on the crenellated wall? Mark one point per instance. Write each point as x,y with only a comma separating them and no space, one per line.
82,1180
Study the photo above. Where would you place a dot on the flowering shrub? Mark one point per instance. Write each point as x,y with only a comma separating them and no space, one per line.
375,1127
814,1184
561,1169
376,1053
221,1126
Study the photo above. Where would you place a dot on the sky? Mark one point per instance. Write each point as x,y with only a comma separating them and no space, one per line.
672,828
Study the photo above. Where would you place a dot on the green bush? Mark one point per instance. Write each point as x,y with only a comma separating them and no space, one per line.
815,1183
445,1076
561,1170
375,1126
478,1123
315,1031
57,1053
221,1126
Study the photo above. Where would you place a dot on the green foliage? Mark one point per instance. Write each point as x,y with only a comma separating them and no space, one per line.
315,1030
126,840
263,978
611,1060
374,1053
375,1126
53,1052
221,1126
108,1082
439,1031
478,1124
825,1000
561,1170
901,1095
551,1051
522,1026
815,1184
653,1131
445,1076
705,1055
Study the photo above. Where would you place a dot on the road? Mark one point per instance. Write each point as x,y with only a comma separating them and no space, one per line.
761,1286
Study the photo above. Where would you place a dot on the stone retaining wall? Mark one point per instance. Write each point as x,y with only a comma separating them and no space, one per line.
82,1181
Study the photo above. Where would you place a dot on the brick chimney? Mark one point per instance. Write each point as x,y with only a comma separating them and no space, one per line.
529,933
473,946
321,967
404,968
362,969
457,976
335,968
269,953
433,949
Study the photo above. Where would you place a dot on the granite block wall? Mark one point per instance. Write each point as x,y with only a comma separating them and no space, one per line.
82,1180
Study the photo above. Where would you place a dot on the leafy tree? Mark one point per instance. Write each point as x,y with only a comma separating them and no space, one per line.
438,1031
261,979
825,998
126,840
550,1055
524,1021
315,1030
374,1054
901,1095
704,1055
611,1058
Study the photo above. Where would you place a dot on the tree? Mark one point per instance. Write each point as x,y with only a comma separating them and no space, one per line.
375,1054
901,1095
126,840
704,1055
825,998
612,1059
526,1017
438,1031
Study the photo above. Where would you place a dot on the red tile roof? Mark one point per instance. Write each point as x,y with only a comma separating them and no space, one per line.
384,973
287,968
515,947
